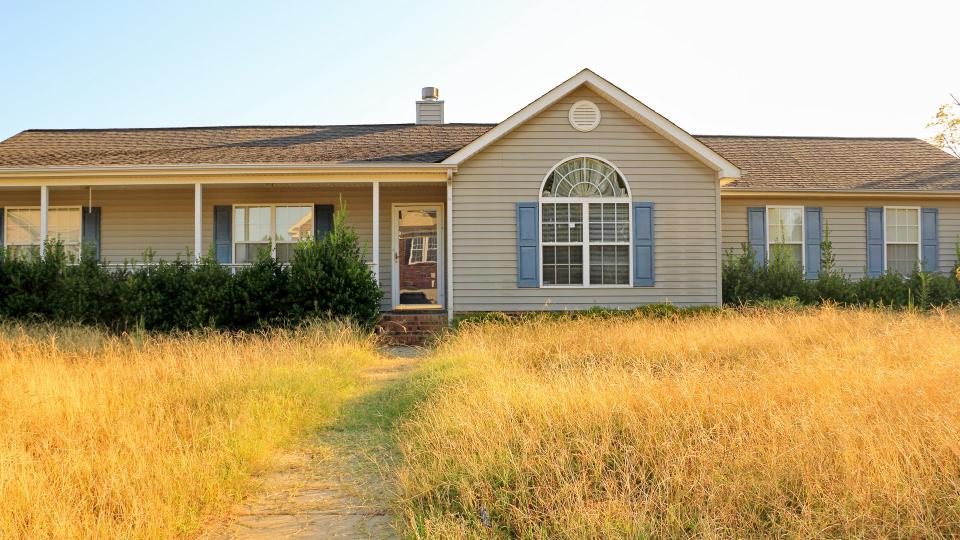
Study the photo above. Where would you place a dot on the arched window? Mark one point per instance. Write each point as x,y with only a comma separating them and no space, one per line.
585,225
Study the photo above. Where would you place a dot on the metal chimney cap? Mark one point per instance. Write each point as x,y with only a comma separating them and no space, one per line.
431,93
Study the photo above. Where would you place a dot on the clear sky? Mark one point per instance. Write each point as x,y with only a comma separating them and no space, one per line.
804,67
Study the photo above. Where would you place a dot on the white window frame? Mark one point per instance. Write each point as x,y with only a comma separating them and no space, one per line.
273,225
803,231
424,250
6,226
395,208
919,242
585,202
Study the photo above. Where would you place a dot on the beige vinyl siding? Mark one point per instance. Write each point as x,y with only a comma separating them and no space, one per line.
161,219
846,219
131,220
488,186
429,112
359,202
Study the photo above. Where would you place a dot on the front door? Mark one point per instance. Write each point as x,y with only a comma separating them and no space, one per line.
418,256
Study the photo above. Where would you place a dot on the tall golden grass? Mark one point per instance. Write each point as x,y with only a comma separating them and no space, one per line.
121,437
821,423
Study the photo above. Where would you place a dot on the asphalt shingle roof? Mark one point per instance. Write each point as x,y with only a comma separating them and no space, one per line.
767,163
836,163
407,143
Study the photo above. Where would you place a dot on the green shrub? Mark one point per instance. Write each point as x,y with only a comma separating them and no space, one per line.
781,280
746,282
832,284
741,276
259,295
330,279
327,278
89,293
783,277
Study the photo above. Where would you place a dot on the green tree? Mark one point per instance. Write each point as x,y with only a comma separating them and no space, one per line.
947,126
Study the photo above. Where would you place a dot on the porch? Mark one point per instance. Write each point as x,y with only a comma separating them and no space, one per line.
402,225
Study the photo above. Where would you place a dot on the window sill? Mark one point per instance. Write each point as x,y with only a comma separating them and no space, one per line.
586,287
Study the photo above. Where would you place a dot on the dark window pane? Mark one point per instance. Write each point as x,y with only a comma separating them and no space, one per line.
576,274
549,275
549,254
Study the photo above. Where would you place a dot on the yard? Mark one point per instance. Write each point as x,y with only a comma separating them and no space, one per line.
143,437
795,423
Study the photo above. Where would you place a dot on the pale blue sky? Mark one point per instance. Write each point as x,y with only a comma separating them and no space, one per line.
766,67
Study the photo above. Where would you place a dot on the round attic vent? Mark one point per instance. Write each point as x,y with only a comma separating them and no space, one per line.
584,115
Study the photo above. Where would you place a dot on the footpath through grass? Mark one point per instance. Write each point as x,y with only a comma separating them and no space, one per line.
144,437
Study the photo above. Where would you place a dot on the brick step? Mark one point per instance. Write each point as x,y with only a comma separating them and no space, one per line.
410,328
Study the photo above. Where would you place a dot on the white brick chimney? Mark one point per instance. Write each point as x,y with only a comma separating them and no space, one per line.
430,106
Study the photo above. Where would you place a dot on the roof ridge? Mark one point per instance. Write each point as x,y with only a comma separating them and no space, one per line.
451,124
813,137
252,126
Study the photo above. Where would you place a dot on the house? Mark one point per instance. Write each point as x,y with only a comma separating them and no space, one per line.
585,197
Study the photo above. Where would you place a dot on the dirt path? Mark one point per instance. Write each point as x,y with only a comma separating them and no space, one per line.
337,484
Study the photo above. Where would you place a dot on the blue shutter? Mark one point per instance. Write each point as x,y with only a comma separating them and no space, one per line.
813,236
90,232
223,233
757,233
874,242
930,247
322,220
528,254
643,263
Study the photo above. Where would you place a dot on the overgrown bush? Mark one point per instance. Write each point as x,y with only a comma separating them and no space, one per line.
327,279
747,283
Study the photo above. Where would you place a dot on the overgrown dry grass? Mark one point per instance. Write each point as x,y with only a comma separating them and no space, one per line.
121,437
820,423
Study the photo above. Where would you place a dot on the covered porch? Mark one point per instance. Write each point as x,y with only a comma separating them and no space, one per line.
403,223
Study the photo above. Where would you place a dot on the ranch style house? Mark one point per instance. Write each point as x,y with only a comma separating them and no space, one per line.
585,197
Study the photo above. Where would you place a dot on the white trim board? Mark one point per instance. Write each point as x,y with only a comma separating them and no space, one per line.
395,252
618,97
803,231
919,242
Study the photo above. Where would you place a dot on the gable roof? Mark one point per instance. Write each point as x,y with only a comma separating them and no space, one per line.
748,163
618,97
767,163
837,164
378,143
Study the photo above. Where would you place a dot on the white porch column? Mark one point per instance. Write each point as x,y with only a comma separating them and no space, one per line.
197,221
375,256
44,211
449,272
